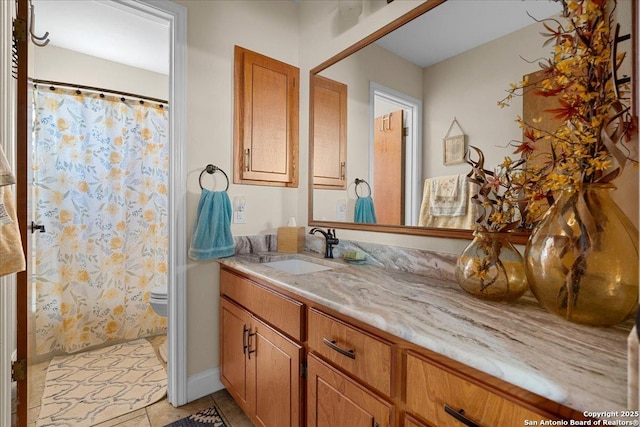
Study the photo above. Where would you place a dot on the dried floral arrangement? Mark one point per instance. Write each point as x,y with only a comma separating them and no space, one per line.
498,197
581,240
592,144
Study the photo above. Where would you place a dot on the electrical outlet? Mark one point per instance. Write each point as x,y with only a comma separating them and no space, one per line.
239,210
239,217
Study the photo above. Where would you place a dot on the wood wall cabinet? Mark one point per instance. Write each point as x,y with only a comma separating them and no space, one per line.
266,109
334,399
328,121
260,367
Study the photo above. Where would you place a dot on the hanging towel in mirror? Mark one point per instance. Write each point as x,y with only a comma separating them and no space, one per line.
212,231
448,196
365,212
11,255
445,188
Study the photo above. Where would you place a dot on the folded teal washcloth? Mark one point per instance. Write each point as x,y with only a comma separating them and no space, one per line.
212,231
365,212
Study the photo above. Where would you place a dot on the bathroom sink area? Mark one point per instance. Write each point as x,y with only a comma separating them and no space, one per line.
292,263
296,266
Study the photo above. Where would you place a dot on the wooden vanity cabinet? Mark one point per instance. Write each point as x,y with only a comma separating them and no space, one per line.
356,374
334,399
446,399
259,365
361,354
410,421
266,110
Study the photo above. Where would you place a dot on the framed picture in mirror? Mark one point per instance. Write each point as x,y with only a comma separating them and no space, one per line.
454,149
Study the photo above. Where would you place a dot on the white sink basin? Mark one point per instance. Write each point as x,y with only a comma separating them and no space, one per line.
296,266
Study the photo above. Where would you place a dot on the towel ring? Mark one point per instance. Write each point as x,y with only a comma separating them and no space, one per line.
211,169
360,181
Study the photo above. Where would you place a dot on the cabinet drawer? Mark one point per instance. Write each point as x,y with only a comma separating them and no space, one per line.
431,389
333,399
359,353
278,310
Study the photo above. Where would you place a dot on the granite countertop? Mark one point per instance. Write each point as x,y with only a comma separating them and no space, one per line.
582,367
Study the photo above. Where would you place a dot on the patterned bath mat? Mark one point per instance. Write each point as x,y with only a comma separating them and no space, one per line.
88,388
207,417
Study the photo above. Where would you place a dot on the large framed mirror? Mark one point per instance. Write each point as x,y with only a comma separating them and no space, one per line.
437,73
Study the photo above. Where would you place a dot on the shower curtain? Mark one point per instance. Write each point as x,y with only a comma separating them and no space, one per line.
100,169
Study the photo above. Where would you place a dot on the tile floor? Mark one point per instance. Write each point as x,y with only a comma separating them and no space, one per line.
157,415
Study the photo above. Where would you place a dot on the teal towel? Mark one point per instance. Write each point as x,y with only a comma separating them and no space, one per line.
365,212
212,231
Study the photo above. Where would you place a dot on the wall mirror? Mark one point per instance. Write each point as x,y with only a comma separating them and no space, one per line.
436,74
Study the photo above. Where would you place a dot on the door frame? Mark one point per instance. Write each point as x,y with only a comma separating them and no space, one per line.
413,150
176,16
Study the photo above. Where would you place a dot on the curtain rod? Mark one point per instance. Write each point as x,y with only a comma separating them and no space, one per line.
97,89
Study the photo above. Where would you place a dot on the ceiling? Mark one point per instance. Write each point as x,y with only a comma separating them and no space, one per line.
476,22
105,29
109,30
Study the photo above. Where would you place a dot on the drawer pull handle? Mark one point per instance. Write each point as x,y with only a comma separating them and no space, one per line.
332,344
459,415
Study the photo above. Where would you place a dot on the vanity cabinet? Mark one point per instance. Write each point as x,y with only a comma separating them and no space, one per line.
266,109
334,399
259,365
361,354
356,374
328,120
444,399
409,421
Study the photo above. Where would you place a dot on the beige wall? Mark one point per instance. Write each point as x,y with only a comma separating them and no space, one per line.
214,27
467,87
66,66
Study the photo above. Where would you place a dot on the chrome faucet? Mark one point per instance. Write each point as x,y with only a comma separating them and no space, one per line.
330,240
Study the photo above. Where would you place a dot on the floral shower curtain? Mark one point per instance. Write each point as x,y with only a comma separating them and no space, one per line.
100,189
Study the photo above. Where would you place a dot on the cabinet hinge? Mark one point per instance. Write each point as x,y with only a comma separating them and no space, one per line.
303,369
19,370
19,30
405,131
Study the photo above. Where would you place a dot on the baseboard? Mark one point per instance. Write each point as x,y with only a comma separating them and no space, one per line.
203,383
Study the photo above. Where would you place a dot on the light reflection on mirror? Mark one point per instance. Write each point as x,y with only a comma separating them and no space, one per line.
455,61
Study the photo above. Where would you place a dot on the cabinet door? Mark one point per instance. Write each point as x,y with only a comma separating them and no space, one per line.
333,399
234,327
274,367
329,124
266,120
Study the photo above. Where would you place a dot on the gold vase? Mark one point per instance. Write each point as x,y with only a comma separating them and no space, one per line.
581,260
491,268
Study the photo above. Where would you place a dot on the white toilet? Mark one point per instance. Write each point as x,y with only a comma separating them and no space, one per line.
158,302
